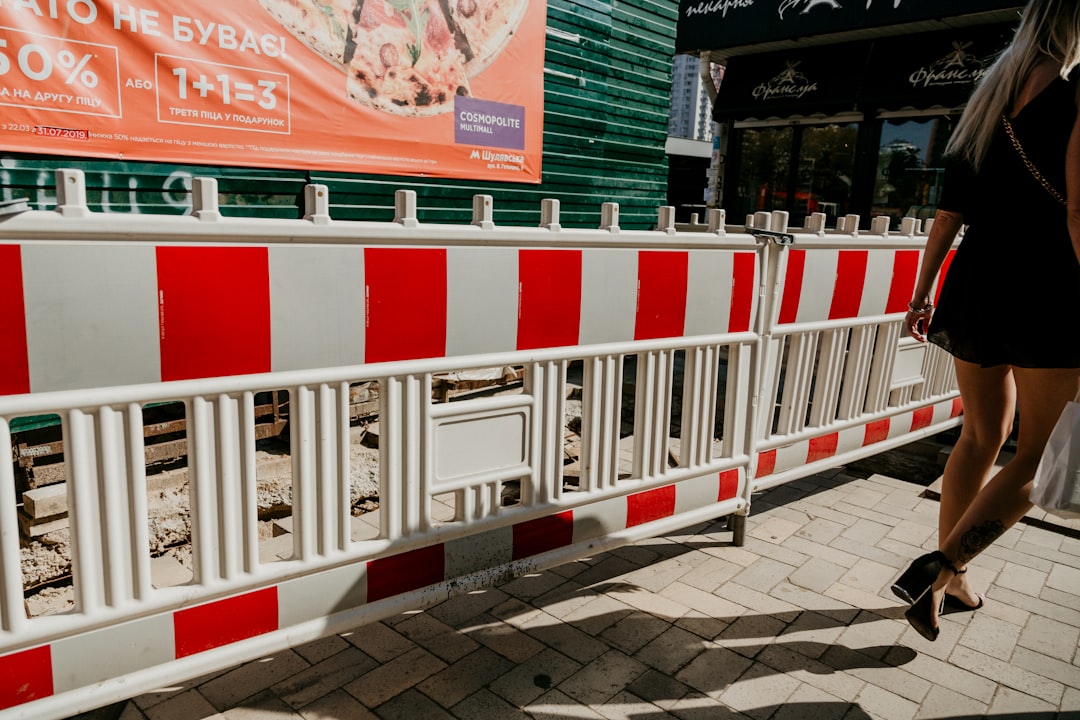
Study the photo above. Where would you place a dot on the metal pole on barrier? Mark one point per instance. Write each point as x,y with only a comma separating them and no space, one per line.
775,243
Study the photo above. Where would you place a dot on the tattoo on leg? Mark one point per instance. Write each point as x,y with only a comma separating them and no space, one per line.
978,538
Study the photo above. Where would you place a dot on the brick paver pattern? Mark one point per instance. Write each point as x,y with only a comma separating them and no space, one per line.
798,623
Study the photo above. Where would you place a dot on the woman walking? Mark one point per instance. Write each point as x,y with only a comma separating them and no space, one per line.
1008,307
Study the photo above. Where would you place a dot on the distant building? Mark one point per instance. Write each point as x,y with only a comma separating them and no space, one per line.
691,111
689,145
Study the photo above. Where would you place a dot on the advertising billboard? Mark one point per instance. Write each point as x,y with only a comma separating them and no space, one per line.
440,88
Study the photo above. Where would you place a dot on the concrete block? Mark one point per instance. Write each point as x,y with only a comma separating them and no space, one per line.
42,502
167,571
277,548
36,527
168,480
364,527
49,474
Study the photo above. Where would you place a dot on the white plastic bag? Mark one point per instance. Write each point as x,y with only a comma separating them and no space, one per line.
1057,479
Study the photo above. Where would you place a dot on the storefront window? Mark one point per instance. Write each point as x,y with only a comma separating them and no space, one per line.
910,167
763,179
821,181
826,166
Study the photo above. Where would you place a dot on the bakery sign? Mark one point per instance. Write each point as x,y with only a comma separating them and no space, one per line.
957,67
441,88
716,25
788,85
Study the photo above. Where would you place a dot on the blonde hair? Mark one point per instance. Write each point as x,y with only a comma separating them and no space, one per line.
1048,29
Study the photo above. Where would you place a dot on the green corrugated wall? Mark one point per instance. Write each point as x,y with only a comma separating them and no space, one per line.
607,81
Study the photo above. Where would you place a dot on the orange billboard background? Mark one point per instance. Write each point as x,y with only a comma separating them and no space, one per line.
235,83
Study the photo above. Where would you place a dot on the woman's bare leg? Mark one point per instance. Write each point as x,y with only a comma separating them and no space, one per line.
989,396
1041,395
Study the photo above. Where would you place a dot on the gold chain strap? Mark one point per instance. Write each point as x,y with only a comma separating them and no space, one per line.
1030,165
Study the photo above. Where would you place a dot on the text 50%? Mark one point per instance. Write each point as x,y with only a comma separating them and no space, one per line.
37,63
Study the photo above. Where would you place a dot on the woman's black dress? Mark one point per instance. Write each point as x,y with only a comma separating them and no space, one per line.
1012,293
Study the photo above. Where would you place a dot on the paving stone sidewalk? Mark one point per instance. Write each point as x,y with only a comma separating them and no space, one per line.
798,623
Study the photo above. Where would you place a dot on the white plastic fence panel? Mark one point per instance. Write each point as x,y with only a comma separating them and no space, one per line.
225,310
753,363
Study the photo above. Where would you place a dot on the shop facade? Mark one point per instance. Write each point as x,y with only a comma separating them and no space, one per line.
840,111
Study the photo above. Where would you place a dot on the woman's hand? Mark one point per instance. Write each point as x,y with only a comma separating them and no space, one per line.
917,319
946,225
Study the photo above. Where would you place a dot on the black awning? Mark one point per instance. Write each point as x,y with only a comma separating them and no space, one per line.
932,69
706,25
798,82
920,71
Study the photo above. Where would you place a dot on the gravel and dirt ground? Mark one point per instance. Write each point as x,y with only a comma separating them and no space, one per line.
46,560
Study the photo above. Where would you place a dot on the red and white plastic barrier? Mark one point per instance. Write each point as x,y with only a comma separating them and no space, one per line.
78,315
794,350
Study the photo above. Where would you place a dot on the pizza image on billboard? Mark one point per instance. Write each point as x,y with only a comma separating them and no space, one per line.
406,57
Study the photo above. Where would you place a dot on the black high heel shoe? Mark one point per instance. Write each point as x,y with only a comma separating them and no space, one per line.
953,604
919,575
920,613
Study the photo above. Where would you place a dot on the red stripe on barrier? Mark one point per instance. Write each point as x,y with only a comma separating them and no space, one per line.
25,676
411,570
14,362
793,281
850,279
405,303
650,505
549,298
661,294
921,418
543,534
957,408
822,447
729,485
766,463
944,271
876,431
905,271
212,625
213,311
743,291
